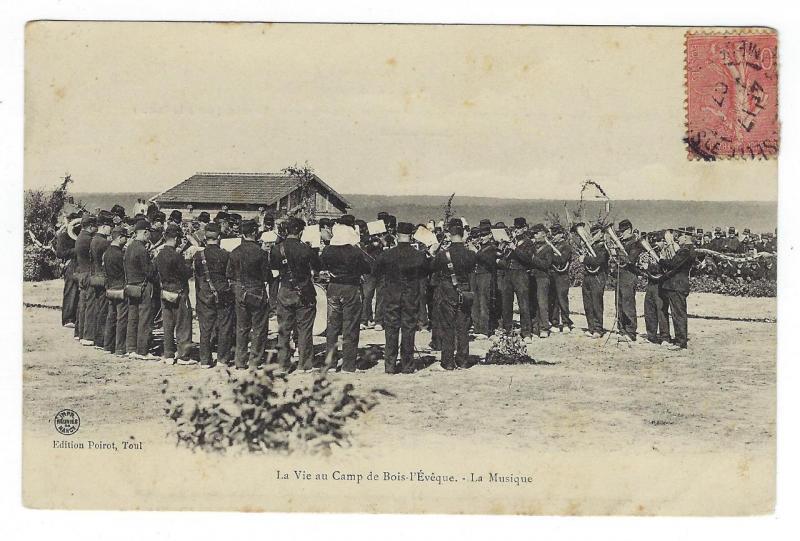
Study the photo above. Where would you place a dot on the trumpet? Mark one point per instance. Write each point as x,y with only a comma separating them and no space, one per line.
550,244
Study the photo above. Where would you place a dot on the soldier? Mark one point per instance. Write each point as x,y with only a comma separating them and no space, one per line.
139,288
540,261
676,288
500,283
83,260
452,298
117,315
594,283
98,309
176,308
732,243
372,246
656,304
118,213
249,274
718,243
175,217
346,263
560,282
297,298
400,269
485,283
517,280
389,241
65,251
325,231
213,299
626,283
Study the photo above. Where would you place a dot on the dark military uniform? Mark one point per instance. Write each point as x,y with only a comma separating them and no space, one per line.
65,251
453,316
174,277
656,307
346,265
139,272
539,261
517,282
214,302
676,287
83,269
559,287
400,269
297,299
373,247
626,287
116,322
248,272
98,307
484,314
594,284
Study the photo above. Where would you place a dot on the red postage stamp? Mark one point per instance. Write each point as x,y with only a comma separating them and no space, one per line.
732,95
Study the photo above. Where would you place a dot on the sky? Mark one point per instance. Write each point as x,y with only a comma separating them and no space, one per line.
523,112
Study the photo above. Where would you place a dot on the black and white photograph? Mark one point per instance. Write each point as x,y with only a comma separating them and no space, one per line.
400,268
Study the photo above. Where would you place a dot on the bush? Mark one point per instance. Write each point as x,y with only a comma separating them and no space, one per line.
508,348
259,411
39,264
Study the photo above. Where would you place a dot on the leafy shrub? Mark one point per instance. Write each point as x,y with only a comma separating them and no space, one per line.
507,348
259,411
39,263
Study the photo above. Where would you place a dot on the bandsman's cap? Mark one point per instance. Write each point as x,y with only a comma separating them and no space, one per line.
142,225
173,231
249,227
88,221
213,228
118,210
500,225
159,216
556,229
119,231
405,228
348,219
104,217
539,228
520,222
625,224
204,217
325,222
390,221
221,216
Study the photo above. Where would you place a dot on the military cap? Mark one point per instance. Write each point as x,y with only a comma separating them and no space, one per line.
118,210
746,231
221,216
325,222
717,229
556,229
383,215
105,218
119,231
348,219
213,228
204,217
142,225
390,221
455,228
731,229
500,225
172,231
88,221
176,216
485,228
269,219
520,222
159,216
235,217
455,221
475,231
249,227
539,227
294,225
362,225
485,221
625,224
405,228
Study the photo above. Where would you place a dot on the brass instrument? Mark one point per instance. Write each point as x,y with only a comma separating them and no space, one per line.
550,244
619,248
583,234
70,227
671,247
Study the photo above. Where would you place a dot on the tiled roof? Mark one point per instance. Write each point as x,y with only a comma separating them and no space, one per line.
236,188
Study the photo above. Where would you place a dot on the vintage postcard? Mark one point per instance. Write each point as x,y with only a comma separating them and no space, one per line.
400,268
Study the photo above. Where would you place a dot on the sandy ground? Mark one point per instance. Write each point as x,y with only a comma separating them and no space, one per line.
585,396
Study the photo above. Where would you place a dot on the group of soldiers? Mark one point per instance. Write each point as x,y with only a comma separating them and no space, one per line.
122,271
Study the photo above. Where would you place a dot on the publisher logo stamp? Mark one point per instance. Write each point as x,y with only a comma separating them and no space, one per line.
67,422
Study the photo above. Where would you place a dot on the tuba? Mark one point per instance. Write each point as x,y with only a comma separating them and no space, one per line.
648,256
671,246
71,228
